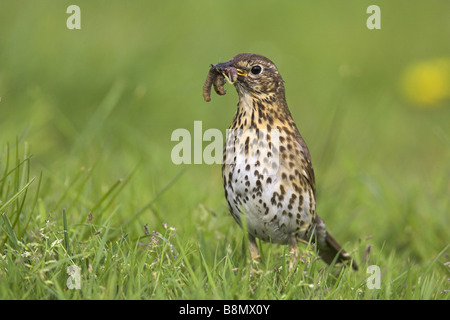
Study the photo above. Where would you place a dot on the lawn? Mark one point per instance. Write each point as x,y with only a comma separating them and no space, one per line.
88,185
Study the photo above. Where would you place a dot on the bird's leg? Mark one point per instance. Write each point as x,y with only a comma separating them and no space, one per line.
256,258
293,250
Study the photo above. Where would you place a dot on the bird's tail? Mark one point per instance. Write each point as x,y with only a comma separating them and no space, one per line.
331,250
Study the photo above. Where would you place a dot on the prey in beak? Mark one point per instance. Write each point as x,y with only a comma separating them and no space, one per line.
217,76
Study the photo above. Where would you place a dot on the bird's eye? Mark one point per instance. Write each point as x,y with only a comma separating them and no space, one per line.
256,70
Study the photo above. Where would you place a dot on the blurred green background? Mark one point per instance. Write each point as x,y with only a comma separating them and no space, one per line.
116,89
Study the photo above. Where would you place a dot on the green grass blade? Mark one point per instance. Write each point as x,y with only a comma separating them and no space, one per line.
13,198
160,192
36,197
10,232
5,172
110,190
66,232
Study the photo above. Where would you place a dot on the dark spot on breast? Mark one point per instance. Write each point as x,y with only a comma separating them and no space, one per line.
246,144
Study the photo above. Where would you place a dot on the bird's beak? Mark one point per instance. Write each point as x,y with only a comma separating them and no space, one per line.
241,73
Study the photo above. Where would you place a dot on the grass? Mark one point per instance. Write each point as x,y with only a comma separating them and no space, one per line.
206,259
86,177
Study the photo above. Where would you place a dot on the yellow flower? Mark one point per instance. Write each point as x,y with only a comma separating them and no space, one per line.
427,83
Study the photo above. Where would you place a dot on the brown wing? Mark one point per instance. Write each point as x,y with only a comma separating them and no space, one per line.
308,166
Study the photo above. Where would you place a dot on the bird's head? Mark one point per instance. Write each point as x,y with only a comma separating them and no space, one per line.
251,74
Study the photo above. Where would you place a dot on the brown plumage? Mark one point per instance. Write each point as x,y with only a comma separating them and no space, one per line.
267,173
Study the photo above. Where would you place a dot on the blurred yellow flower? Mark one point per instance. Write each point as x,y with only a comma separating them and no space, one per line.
427,83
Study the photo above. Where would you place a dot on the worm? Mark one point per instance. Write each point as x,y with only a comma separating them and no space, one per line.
217,77
219,83
210,78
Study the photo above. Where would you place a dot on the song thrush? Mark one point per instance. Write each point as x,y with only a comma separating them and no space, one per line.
267,172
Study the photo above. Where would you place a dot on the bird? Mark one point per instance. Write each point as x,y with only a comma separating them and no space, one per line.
268,177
